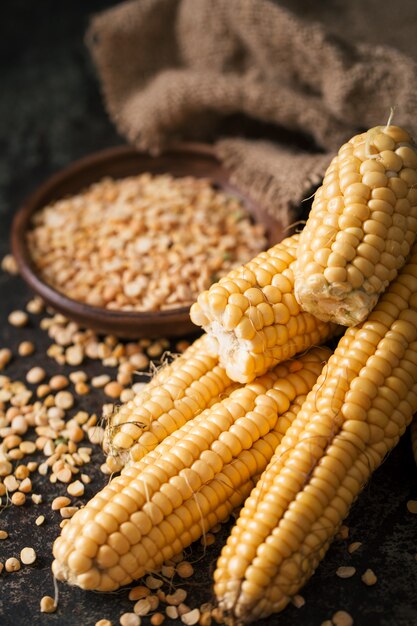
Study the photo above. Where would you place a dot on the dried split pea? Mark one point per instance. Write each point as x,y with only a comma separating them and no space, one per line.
64,400
298,601
35,375
9,265
191,617
342,618
100,381
129,619
369,577
355,545
412,506
184,569
18,498
47,605
142,607
58,382
12,565
138,593
171,612
345,571
28,556
26,348
153,583
5,357
60,502
113,389
76,489
18,318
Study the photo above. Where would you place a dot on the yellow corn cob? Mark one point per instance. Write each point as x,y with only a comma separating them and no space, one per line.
177,393
361,227
253,318
355,414
187,484
413,432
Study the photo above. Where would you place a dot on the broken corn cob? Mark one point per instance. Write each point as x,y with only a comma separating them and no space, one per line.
361,227
189,483
355,414
177,393
253,318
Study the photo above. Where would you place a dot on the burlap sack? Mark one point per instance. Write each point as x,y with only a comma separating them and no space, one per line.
204,69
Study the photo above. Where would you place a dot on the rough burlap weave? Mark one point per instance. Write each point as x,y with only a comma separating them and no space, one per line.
212,69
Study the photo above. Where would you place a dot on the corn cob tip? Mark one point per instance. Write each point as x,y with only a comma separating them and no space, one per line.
252,317
331,303
361,227
177,392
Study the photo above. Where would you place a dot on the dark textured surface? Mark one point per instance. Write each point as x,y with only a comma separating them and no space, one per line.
50,114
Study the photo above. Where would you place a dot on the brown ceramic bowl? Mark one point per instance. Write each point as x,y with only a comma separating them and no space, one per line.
186,159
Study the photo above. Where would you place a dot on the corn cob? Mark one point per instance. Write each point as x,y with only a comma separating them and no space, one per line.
253,318
413,433
177,393
355,414
187,484
361,227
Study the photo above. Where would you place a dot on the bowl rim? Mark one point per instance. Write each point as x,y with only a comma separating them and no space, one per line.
34,202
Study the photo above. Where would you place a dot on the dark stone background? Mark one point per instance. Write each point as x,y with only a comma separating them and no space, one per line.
50,114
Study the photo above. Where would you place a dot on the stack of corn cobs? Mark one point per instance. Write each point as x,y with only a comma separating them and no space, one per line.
240,418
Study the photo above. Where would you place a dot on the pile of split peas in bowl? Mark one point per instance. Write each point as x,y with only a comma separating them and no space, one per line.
142,243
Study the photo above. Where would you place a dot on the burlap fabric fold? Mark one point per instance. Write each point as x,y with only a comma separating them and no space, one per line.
189,69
